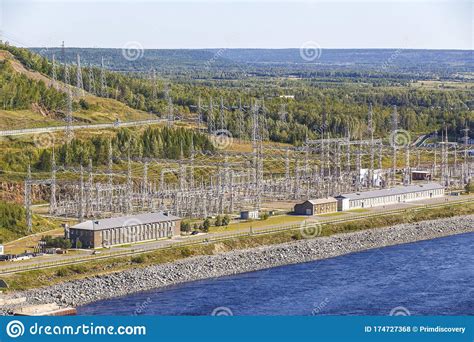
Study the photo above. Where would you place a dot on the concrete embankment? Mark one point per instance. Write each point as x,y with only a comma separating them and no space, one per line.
239,261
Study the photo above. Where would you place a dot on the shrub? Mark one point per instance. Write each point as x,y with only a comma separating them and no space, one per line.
138,259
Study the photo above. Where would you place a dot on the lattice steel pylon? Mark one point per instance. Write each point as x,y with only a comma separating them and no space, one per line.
69,133
210,118
28,213
53,206
370,181
394,145
153,84
170,114
54,75
79,84
465,164
103,80
91,85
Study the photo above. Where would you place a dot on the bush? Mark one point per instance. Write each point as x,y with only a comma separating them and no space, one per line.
62,272
185,226
226,220
84,104
138,259
205,225
218,221
58,242
265,216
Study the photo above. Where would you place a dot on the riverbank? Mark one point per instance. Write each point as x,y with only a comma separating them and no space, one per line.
79,292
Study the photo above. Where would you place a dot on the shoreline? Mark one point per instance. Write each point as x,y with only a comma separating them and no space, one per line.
100,287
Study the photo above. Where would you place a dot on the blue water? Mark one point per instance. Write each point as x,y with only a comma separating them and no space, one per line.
432,277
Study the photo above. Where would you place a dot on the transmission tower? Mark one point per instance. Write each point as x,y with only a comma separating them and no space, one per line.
394,144
465,164
103,81
79,84
91,88
29,224
63,53
69,132
66,75
52,202
54,75
153,84
222,115
370,182
170,115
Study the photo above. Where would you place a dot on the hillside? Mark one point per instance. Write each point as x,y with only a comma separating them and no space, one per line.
25,94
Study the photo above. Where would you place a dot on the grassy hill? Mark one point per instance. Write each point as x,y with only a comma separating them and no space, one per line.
29,111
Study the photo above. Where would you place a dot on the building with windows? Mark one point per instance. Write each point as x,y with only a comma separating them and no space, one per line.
316,206
124,230
249,215
399,194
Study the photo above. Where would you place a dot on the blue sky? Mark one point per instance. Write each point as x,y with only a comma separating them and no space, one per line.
230,24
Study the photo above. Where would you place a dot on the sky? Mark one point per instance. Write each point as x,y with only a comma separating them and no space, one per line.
159,24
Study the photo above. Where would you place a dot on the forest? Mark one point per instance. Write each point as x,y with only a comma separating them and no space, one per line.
337,99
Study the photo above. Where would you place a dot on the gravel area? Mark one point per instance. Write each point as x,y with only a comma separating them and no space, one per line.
95,288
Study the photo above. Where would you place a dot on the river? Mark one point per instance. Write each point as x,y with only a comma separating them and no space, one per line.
433,277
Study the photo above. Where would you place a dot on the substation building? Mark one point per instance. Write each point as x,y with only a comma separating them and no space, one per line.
399,194
124,230
316,206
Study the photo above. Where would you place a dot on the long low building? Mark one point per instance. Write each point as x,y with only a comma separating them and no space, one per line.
124,230
316,206
399,194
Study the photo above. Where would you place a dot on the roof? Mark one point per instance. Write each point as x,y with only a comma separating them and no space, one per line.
399,190
322,200
420,171
125,221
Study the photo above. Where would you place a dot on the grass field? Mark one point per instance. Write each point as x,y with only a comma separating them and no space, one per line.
271,221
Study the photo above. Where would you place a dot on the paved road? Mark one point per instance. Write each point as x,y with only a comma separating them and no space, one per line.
74,257
77,127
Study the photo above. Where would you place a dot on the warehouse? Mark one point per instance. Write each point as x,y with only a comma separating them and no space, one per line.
124,230
395,195
316,206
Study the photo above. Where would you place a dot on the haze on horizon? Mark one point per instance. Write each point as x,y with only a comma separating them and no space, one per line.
404,24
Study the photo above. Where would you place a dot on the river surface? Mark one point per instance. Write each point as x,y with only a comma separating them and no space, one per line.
434,277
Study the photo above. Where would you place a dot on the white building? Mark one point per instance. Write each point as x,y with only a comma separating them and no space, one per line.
2,251
399,194
377,177
249,215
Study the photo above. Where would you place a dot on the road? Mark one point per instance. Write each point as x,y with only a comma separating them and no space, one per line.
78,127
83,256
